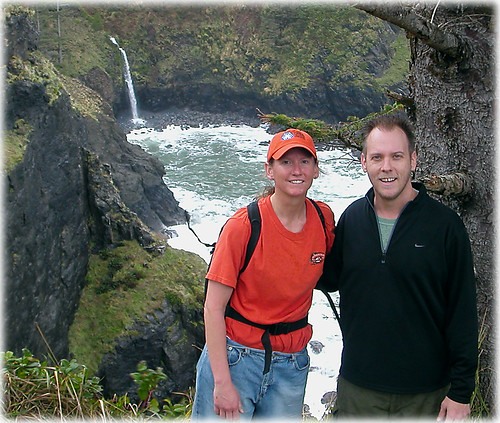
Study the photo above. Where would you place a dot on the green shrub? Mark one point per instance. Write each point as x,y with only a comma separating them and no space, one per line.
35,390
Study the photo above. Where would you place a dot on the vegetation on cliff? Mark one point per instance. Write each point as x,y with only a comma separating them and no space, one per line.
122,286
37,69
266,50
14,144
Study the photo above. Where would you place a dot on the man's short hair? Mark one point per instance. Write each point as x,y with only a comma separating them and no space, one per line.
389,122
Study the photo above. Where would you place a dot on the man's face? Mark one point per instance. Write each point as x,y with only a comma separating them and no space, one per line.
389,163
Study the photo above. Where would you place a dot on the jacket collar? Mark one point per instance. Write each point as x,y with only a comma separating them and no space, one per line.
422,192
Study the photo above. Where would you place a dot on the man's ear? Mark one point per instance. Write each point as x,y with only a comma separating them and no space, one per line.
363,161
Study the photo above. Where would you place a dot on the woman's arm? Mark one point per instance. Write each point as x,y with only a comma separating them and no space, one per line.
226,397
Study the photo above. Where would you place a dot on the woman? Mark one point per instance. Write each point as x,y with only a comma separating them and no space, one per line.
276,287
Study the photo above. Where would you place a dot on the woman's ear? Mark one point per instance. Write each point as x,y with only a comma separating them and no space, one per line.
269,172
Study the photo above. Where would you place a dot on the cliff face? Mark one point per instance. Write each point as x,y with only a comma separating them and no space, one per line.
46,223
169,339
317,61
55,209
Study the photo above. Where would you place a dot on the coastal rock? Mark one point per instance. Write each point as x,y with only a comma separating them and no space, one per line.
329,398
98,80
138,175
25,40
168,339
111,220
47,237
316,346
318,101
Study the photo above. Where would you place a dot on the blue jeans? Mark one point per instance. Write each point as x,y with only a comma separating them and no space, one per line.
277,394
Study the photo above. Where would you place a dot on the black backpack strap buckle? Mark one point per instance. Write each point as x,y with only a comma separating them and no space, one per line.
273,329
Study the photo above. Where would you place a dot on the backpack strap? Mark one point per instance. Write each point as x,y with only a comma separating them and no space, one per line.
255,220
273,329
276,328
320,214
324,291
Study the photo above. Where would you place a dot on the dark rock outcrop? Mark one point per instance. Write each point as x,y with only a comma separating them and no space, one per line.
318,101
137,175
47,237
100,82
111,220
168,340
26,39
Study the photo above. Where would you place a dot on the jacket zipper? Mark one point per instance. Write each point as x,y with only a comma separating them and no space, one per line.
384,252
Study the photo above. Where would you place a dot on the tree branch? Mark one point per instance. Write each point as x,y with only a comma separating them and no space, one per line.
406,101
404,17
458,184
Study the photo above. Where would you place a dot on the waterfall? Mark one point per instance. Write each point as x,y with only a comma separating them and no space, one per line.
128,80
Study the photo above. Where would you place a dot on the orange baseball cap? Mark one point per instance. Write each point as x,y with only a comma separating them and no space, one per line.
285,140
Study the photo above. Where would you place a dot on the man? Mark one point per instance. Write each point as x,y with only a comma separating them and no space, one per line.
403,267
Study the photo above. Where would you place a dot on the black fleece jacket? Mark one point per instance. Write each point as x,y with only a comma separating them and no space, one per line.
408,316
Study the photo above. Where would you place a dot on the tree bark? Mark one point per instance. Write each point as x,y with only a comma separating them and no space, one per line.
457,184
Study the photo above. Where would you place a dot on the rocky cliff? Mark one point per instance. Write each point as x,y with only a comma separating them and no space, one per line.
76,187
317,61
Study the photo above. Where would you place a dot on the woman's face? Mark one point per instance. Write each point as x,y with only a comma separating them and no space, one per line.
294,172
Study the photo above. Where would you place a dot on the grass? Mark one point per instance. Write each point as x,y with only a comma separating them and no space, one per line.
37,69
35,390
398,67
83,99
14,144
82,46
479,407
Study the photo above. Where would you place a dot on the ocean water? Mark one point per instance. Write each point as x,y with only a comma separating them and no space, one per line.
213,171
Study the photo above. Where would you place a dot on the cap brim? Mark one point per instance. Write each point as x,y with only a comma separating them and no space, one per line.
281,151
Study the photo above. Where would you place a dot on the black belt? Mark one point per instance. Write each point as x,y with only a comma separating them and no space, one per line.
274,329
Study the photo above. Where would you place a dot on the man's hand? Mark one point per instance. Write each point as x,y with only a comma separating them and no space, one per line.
227,402
452,410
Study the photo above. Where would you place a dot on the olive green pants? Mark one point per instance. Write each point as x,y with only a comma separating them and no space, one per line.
355,401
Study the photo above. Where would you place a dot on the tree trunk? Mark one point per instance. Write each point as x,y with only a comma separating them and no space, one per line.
453,115
59,34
